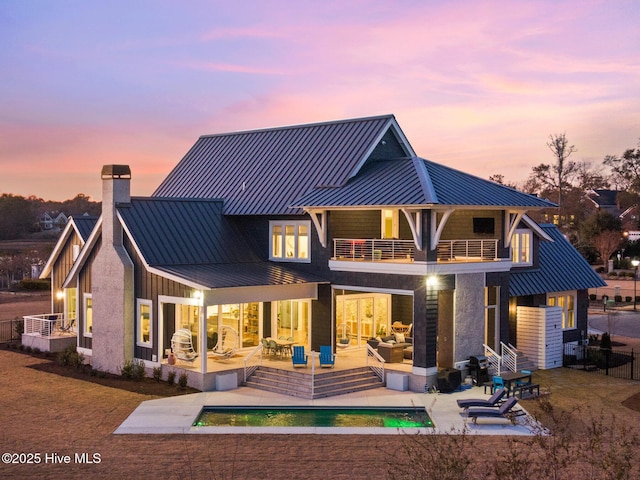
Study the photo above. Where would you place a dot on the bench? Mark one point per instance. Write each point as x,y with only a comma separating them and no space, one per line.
526,387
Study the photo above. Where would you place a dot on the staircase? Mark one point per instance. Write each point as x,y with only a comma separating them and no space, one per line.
325,384
525,363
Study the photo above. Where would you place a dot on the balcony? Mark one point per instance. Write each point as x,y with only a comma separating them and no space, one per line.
373,250
398,257
468,250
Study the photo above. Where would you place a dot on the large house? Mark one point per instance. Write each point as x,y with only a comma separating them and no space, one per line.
330,234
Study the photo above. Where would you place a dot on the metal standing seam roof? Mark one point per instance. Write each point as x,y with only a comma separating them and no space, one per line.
561,269
240,275
84,225
262,172
192,240
415,181
170,231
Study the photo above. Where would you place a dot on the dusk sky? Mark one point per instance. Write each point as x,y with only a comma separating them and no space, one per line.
475,85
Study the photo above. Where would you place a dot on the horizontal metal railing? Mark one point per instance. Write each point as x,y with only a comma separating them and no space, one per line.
252,362
47,324
373,250
375,362
466,250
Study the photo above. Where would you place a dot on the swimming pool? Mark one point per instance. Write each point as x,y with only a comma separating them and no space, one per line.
351,417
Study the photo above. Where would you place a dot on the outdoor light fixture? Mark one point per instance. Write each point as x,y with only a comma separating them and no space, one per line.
432,281
635,262
59,294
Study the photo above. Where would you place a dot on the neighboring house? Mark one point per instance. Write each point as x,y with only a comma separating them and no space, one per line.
320,232
53,220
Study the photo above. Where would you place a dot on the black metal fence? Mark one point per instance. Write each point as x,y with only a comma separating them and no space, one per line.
11,330
623,364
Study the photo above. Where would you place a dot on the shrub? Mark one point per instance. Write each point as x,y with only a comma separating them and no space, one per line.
605,342
171,377
613,274
600,270
618,298
133,369
157,374
35,284
182,380
592,297
69,357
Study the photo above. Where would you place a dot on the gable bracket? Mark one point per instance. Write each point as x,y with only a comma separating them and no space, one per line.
436,229
513,219
414,218
319,219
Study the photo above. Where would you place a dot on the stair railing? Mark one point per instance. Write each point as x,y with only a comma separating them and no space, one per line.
509,357
252,362
494,359
377,362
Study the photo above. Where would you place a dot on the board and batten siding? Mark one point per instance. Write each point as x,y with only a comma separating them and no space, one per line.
540,335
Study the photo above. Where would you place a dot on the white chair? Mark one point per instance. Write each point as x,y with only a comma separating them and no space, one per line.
182,345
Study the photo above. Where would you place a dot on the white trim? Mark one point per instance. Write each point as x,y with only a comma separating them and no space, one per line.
284,224
392,291
320,224
85,297
87,352
424,371
420,268
437,228
521,233
564,309
84,253
513,219
415,224
536,228
139,342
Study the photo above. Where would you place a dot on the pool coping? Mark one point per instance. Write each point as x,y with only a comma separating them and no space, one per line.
175,415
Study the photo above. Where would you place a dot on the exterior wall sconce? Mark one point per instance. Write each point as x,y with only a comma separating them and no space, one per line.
59,295
432,280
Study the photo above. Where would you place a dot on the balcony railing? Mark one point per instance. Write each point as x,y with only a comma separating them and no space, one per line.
388,250
467,250
45,325
373,250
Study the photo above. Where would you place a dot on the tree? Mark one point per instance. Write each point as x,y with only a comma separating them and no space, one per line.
606,243
626,169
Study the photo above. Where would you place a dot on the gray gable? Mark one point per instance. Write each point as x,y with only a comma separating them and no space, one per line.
262,172
561,269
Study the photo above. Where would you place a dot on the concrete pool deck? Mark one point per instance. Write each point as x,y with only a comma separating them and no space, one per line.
177,414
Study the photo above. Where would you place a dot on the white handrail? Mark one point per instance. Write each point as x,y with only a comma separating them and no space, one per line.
495,361
373,249
250,368
509,357
378,366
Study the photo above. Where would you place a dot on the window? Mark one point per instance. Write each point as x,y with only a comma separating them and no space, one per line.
390,223
143,323
521,247
290,241
88,315
567,304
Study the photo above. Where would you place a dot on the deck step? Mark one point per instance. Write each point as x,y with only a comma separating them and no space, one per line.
326,383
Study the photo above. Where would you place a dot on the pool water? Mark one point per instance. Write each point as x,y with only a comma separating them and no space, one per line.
353,417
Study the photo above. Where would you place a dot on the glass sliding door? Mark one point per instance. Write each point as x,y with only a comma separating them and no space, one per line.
360,317
292,321
243,318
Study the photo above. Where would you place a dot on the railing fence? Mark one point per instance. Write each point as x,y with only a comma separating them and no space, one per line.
615,363
10,330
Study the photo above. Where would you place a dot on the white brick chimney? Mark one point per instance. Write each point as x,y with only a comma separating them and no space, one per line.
112,279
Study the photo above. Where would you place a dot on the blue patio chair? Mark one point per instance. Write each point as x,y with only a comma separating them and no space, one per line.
299,358
327,358
498,383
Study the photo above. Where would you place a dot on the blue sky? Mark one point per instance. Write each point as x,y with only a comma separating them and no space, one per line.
476,85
